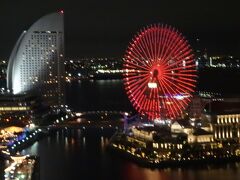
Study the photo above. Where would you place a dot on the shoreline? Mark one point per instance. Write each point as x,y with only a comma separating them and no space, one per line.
146,163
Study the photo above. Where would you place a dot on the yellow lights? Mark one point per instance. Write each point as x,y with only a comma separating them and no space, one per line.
225,119
179,146
167,146
79,114
152,85
68,79
13,129
155,145
237,152
14,108
102,71
220,145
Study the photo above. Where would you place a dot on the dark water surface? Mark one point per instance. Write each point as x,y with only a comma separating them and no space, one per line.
110,94
82,155
97,95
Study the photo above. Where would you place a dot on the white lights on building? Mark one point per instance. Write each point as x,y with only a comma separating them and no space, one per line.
152,85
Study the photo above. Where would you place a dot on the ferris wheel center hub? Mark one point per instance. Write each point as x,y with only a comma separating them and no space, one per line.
156,72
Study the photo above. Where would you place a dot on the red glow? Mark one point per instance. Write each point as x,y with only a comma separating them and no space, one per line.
62,11
160,72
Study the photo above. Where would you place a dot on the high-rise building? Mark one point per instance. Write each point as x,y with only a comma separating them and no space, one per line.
200,54
37,60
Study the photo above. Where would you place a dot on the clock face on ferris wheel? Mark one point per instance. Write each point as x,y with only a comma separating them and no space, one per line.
160,72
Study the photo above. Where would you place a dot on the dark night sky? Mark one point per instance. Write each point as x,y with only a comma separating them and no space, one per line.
104,28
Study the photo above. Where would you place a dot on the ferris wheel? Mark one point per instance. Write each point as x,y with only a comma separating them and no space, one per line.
159,72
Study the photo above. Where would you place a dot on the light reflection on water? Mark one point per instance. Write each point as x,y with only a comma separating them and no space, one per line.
84,142
78,133
33,148
72,141
132,171
66,143
57,137
74,154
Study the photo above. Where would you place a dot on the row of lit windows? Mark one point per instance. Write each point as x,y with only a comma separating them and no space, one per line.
43,37
40,46
200,139
225,133
36,55
46,52
14,108
228,119
167,146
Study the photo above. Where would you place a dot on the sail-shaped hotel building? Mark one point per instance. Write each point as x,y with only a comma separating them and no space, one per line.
36,63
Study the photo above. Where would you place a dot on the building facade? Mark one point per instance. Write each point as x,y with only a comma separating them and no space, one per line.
225,119
226,126
24,108
37,60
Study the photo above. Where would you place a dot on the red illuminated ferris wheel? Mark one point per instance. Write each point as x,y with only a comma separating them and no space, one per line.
160,72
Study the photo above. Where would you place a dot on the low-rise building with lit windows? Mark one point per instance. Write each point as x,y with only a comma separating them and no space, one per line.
143,133
200,136
24,107
225,120
181,126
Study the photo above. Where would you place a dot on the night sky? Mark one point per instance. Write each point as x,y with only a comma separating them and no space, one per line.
98,28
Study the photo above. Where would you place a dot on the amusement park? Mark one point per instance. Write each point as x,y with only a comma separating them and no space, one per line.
160,81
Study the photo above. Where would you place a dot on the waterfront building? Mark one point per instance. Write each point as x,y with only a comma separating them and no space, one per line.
24,108
225,120
144,133
200,136
194,134
181,126
227,126
37,60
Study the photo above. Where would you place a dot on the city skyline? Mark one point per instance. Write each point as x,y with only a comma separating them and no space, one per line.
105,28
